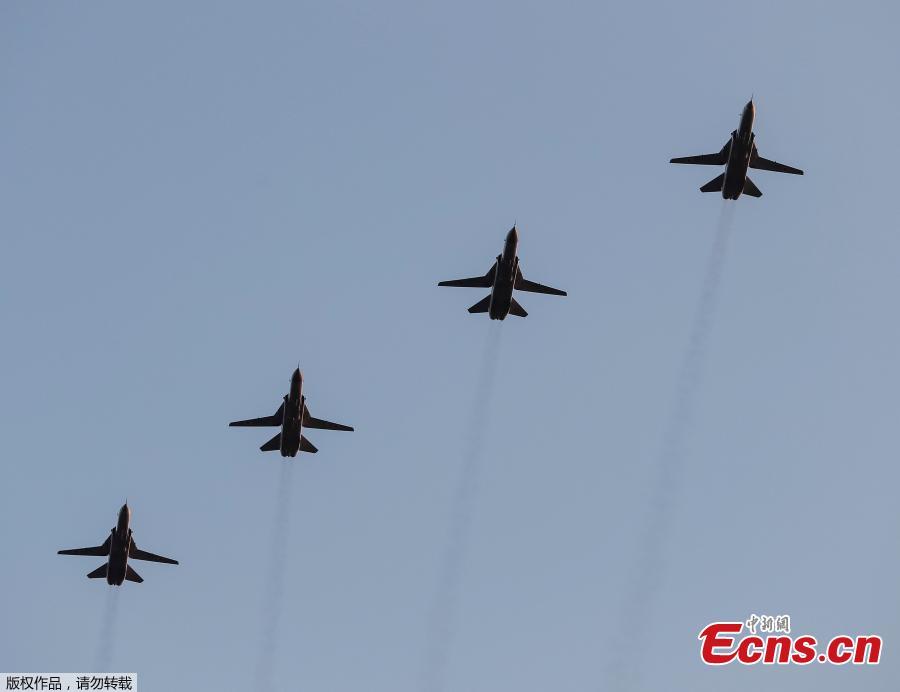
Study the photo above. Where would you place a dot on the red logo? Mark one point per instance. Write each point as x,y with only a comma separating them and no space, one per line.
721,643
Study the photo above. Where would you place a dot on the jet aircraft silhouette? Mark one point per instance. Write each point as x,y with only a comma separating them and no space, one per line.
502,278
293,415
738,154
119,546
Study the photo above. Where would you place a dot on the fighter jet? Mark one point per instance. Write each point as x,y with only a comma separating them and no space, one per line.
504,276
738,154
292,416
119,546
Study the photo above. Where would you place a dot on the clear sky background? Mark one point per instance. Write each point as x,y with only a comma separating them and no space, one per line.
195,197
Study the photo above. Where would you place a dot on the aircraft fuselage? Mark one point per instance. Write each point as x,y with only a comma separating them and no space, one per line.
119,545
739,155
293,417
505,277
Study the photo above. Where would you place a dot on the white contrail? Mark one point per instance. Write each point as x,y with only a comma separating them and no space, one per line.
274,587
649,565
108,631
442,617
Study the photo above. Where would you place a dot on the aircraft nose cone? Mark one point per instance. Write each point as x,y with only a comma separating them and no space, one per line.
513,234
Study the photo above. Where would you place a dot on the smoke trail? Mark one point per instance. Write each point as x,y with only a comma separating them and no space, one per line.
441,622
107,631
274,587
649,566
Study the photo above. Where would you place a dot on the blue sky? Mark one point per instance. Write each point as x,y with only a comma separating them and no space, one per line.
195,198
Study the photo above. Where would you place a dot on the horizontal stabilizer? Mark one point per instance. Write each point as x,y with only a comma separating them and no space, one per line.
99,573
97,551
131,575
272,445
751,189
485,281
523,284
307,446
714,185
265,421
137,554
516,309
482,305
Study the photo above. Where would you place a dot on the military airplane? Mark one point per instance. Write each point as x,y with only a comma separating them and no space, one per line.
118,546
504,276
292,416
738,154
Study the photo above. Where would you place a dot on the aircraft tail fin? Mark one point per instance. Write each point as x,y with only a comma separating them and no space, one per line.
751,189
99,573
131,575
307,446
272,445
482,305
516,309
714,185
